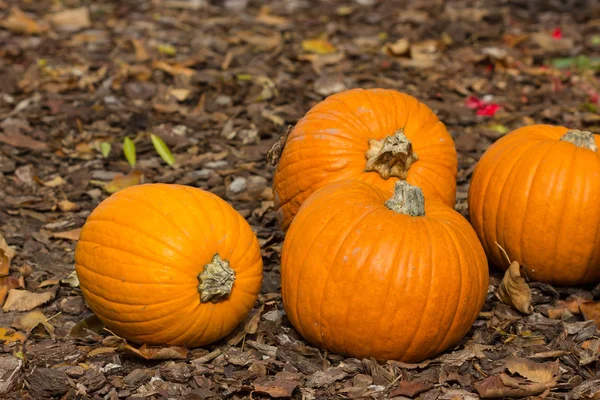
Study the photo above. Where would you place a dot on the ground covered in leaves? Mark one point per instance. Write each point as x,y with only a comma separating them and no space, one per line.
219,82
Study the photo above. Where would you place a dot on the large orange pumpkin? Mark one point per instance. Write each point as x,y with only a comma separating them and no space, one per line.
168,265
374,135
402,279
536,193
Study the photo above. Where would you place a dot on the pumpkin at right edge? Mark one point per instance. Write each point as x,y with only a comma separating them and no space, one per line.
536,193
366,275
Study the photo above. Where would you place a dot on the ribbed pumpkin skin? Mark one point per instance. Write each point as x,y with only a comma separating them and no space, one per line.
361,280
539,199
139,256
330,141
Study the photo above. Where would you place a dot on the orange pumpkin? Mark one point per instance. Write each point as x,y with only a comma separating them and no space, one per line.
401,279
536,193
374,135
168,265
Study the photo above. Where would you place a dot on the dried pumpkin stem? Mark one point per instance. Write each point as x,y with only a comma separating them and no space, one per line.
582,139
391,156
407,199
216,280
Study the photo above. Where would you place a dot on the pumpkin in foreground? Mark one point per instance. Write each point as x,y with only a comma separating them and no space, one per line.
366,275
374,135
536,193
164,264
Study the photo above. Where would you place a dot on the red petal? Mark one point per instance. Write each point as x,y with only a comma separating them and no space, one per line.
473,102
557,33
488,110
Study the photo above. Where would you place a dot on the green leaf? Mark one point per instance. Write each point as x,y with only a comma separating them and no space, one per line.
162,149
105,148
129,150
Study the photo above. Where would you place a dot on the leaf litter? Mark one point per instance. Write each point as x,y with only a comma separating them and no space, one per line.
207,92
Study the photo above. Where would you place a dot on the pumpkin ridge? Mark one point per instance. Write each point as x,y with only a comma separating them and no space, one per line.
462,296
121,225
339,123
351,226
123,251
516,143
156,210
118,303
431,257
510,178
354,122
298,283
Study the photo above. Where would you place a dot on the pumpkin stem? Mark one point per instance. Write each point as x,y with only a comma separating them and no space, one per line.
391,156
407,199
216,280
582,139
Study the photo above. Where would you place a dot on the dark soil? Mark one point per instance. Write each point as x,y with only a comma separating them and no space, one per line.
219,82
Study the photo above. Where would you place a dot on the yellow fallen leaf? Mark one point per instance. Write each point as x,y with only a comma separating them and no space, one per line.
6,255
67,206
8,335
101,350
19,22
121,181
72,234
180,94
173,69
167,49
318,46
56,181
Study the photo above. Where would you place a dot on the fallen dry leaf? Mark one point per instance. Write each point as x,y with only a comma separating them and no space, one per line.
67,206
264,16
48,282
101,350
121,181
56,181
318,46
546,373
173,69
180,94
72,234
9,335
398,48
19,22
32,320
514,291
281,385
158,353
410,388
17,139
71,280
71,20
86,327
503,386
7,253
24,300
591,311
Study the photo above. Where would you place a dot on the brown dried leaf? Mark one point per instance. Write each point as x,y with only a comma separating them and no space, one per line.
19,22
503,386
101,350
410,388
17,139
86,327
398,48
514,291
32,320
48,282
24,300
281,385
7,253
158,353
264,16
591,311
67,206
71,20
546,373
72,234
56,181
121,181
173,69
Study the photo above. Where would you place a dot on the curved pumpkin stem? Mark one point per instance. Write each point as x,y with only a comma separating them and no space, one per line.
391,156
216,280
407,199
582,139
